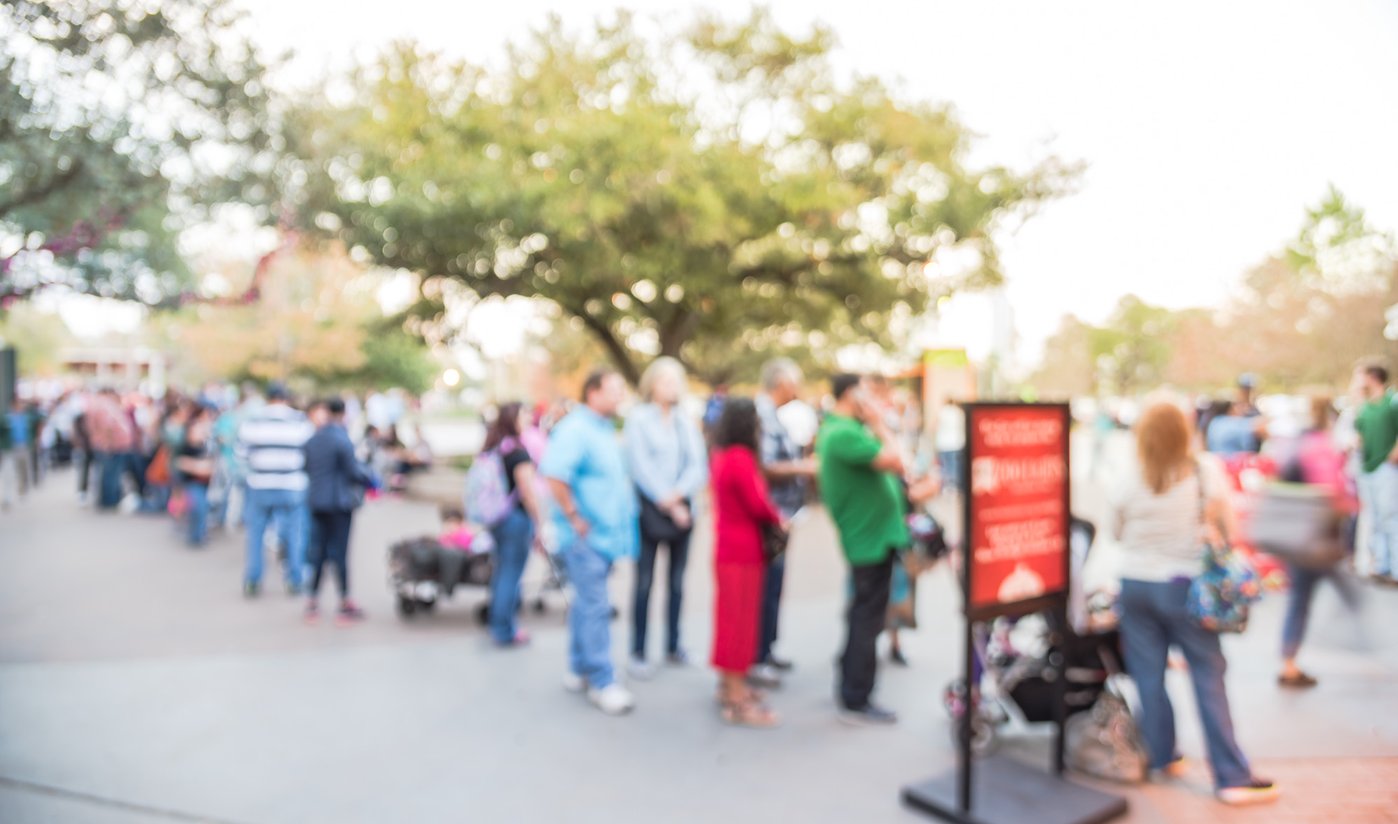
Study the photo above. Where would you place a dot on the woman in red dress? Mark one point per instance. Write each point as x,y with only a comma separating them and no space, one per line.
742,510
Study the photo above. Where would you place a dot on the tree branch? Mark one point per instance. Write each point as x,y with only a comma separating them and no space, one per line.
54,184
620,355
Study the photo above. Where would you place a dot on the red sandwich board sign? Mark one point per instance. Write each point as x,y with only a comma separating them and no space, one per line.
1017,514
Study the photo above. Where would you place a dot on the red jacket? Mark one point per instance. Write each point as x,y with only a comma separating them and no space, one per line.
741,506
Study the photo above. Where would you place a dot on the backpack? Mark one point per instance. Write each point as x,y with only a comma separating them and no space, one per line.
488,497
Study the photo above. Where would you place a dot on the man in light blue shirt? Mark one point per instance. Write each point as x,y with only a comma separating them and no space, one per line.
595,515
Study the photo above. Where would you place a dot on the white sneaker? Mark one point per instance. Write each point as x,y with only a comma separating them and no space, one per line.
640,669
765,675
613,699
572,682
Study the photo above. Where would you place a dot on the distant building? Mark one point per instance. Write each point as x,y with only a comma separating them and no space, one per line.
127,368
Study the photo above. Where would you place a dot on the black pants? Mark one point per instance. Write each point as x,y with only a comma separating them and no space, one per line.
771,606
330,532
84,470
865,619
645,576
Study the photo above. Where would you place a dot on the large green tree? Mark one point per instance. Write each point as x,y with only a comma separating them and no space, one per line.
120,121
714,190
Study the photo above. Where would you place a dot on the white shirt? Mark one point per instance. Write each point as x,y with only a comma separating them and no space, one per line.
1161,534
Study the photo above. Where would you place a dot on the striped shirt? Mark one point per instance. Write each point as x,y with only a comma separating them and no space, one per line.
269,444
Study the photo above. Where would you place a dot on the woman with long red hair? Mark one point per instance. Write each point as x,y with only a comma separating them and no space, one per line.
1164,515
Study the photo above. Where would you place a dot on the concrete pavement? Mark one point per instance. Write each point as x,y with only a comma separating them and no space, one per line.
137,685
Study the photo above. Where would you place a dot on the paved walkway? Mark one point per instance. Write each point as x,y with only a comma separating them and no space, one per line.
137,685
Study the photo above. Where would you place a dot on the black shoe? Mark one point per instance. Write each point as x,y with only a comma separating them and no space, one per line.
869,716
780,663
896,656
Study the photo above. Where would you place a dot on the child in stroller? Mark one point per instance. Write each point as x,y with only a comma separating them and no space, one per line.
425,569
1016,663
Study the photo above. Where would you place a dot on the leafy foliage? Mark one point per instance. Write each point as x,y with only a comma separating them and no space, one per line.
119,119
706,193
1300,319
317,322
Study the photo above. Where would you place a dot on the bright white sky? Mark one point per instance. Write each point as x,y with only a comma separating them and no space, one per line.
1207,126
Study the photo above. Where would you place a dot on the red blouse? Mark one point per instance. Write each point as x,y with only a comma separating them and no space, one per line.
742,506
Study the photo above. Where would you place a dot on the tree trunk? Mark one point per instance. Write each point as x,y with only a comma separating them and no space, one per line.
620,355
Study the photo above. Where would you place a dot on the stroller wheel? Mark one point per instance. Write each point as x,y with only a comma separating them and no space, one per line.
982,736
406,607
426,606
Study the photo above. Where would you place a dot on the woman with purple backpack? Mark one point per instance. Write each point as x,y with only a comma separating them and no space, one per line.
516,531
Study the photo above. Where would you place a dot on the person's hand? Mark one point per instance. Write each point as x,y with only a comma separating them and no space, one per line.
579,524
669,502
808,466
681,515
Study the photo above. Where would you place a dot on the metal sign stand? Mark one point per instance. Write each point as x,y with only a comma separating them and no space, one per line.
1000,790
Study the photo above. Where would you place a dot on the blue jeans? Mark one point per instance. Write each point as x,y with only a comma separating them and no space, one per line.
1378,495
1298,602
1153,617
950,463
197,496
590,615
110,466
513,538
287,509
674,599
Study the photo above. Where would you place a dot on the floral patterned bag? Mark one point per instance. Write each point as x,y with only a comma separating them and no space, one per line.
1220,596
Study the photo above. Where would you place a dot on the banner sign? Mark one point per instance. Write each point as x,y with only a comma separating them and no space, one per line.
1017,511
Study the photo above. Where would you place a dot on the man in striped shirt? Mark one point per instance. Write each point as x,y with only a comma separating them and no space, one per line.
269,443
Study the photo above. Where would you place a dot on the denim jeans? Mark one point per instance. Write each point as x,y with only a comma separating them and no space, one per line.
513,538
590,615
286,508
1153,617
197,496
110,466
1378,495
1298,602
771,607
645,576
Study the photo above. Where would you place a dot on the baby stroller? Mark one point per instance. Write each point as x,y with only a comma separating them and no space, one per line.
1016,663
421,571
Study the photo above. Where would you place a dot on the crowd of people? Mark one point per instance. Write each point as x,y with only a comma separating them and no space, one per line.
591,488
758,476
222,457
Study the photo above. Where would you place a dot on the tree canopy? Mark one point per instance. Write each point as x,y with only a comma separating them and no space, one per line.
710,191
119,121
1301,318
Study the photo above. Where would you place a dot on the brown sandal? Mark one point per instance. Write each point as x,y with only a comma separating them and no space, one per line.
749,714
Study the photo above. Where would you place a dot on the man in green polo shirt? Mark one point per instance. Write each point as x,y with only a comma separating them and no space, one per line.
1377,424
859,480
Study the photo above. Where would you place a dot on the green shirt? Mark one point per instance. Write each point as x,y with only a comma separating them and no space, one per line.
867,504
1377,423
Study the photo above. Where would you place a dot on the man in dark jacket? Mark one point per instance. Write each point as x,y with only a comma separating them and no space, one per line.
336,481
